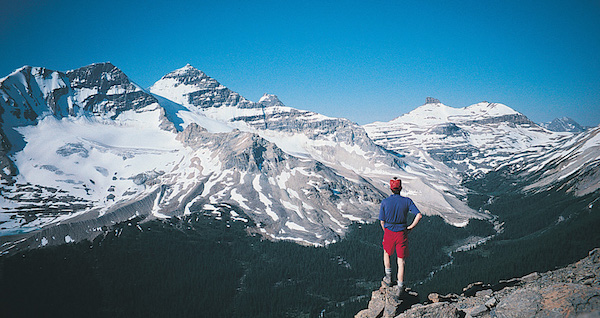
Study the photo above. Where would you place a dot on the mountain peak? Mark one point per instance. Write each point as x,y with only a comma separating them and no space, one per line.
21,70
189,67
188,71
105,71
490,109
96,73
431,100
268,100
563,124
104,66
190,86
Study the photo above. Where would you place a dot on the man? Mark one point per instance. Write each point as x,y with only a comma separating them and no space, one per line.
393,217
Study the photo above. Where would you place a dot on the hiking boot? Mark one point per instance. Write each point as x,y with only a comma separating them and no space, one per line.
401,291
386,281
395,293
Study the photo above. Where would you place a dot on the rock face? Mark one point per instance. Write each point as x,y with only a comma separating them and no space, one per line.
105,90
573,291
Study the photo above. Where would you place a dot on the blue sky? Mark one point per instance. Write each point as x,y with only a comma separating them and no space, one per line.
363,60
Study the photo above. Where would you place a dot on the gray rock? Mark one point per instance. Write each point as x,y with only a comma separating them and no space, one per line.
478,310
491,302
436,298
376,306
522,303
483,293
437,310
385,302
531,277
562,300
73,148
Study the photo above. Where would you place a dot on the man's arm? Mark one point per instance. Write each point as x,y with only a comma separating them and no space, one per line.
382,215
415,221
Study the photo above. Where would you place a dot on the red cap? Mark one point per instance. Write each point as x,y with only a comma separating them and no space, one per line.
395,184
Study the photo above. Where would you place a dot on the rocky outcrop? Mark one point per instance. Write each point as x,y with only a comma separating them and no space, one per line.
388,302
431,100
573,291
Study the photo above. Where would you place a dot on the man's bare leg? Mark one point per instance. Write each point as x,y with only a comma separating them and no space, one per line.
386,260
388,268
400,272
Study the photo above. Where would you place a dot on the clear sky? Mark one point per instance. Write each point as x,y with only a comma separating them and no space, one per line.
363,60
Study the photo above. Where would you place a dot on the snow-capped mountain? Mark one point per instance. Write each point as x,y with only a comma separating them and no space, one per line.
88,148
471,140
74,145
336,142
573,166
291,198
563,124
491,137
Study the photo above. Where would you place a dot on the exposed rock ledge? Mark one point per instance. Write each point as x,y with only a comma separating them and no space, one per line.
573,291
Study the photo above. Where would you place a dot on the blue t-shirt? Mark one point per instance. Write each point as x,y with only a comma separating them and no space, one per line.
394,211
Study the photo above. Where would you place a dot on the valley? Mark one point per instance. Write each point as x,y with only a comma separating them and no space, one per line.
189,200
207,264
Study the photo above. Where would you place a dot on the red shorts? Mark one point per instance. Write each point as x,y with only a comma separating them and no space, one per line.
395,240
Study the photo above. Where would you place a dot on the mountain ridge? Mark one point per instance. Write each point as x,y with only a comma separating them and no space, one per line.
472,140
337,142
132,146
110,155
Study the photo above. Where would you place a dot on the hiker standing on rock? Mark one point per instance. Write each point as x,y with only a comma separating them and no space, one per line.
393,216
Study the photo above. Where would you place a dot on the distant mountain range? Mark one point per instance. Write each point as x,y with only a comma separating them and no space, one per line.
88,148
488,136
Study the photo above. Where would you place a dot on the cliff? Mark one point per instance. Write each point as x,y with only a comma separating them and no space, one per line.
573,291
